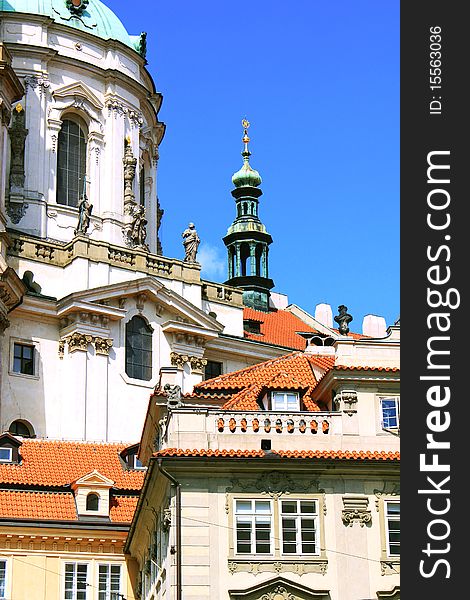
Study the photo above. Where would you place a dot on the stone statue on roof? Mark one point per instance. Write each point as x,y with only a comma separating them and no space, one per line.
343,319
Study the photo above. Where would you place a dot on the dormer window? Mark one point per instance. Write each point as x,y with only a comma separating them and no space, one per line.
92,495
92,502
129,456
6,454
285,401
251,326
9,449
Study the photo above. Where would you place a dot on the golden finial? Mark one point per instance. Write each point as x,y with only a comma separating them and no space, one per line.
19,108
245,124
128,140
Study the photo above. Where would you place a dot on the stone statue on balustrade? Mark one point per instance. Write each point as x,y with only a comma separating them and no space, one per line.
191,243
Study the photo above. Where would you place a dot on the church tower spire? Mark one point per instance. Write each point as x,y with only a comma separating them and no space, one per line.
247,240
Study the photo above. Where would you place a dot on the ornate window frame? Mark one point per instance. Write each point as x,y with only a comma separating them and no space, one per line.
276,486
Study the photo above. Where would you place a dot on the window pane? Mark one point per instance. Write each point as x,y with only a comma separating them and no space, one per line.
308,507
289,507
393,508
262,506
243,506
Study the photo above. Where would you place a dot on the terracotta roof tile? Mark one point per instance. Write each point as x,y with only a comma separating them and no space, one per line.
320,454
46,506
282,328
278,327
122,508
57,506
58,463
290,372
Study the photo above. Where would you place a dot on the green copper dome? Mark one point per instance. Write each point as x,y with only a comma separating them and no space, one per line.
246,175
91,16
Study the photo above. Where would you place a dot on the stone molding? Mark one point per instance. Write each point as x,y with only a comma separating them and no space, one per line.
346,401
356,510
80,342
179,360
300,566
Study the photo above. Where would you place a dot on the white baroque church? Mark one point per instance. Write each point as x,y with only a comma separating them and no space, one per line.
91,311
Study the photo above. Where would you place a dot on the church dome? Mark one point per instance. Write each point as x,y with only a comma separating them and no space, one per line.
246,176
91,16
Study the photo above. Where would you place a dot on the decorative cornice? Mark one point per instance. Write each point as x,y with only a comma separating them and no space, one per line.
80,342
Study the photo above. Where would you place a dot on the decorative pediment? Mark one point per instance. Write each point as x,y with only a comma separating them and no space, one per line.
78,90
93,479
279,589
185,317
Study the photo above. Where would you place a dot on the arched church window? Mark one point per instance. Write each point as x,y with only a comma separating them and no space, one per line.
92,501
22,428
139,349
71,162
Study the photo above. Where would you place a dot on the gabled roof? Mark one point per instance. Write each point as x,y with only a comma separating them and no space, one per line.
295,371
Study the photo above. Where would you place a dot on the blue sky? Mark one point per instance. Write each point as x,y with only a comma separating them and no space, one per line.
319,83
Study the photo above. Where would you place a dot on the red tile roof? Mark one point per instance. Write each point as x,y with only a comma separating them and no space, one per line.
58,506
122,508
278,327
293,371
20,504
57,464
320,454
281,327
52,466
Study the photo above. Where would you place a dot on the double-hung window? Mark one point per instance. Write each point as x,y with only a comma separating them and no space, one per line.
3,578
285,401
390,413
253,524
76,575
299,527
109,582
392,525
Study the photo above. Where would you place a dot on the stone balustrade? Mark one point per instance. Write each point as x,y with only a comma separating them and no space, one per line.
302,423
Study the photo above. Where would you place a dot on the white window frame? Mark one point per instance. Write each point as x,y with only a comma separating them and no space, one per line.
10,452
396,400
387,519
4,582
297,516
87,582
24,342
252,516
276,396
107,592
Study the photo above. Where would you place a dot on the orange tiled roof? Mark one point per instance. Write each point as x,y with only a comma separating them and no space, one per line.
122,508
47,506
57,464
57,506
290,372
278,327
281,327
320,454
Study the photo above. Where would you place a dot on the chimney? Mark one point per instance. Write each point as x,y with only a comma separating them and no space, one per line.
374,326
324,315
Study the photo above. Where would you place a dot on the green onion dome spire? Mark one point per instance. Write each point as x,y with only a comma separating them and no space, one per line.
246,176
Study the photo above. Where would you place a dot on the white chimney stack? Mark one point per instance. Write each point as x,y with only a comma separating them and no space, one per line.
324,314
374,326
